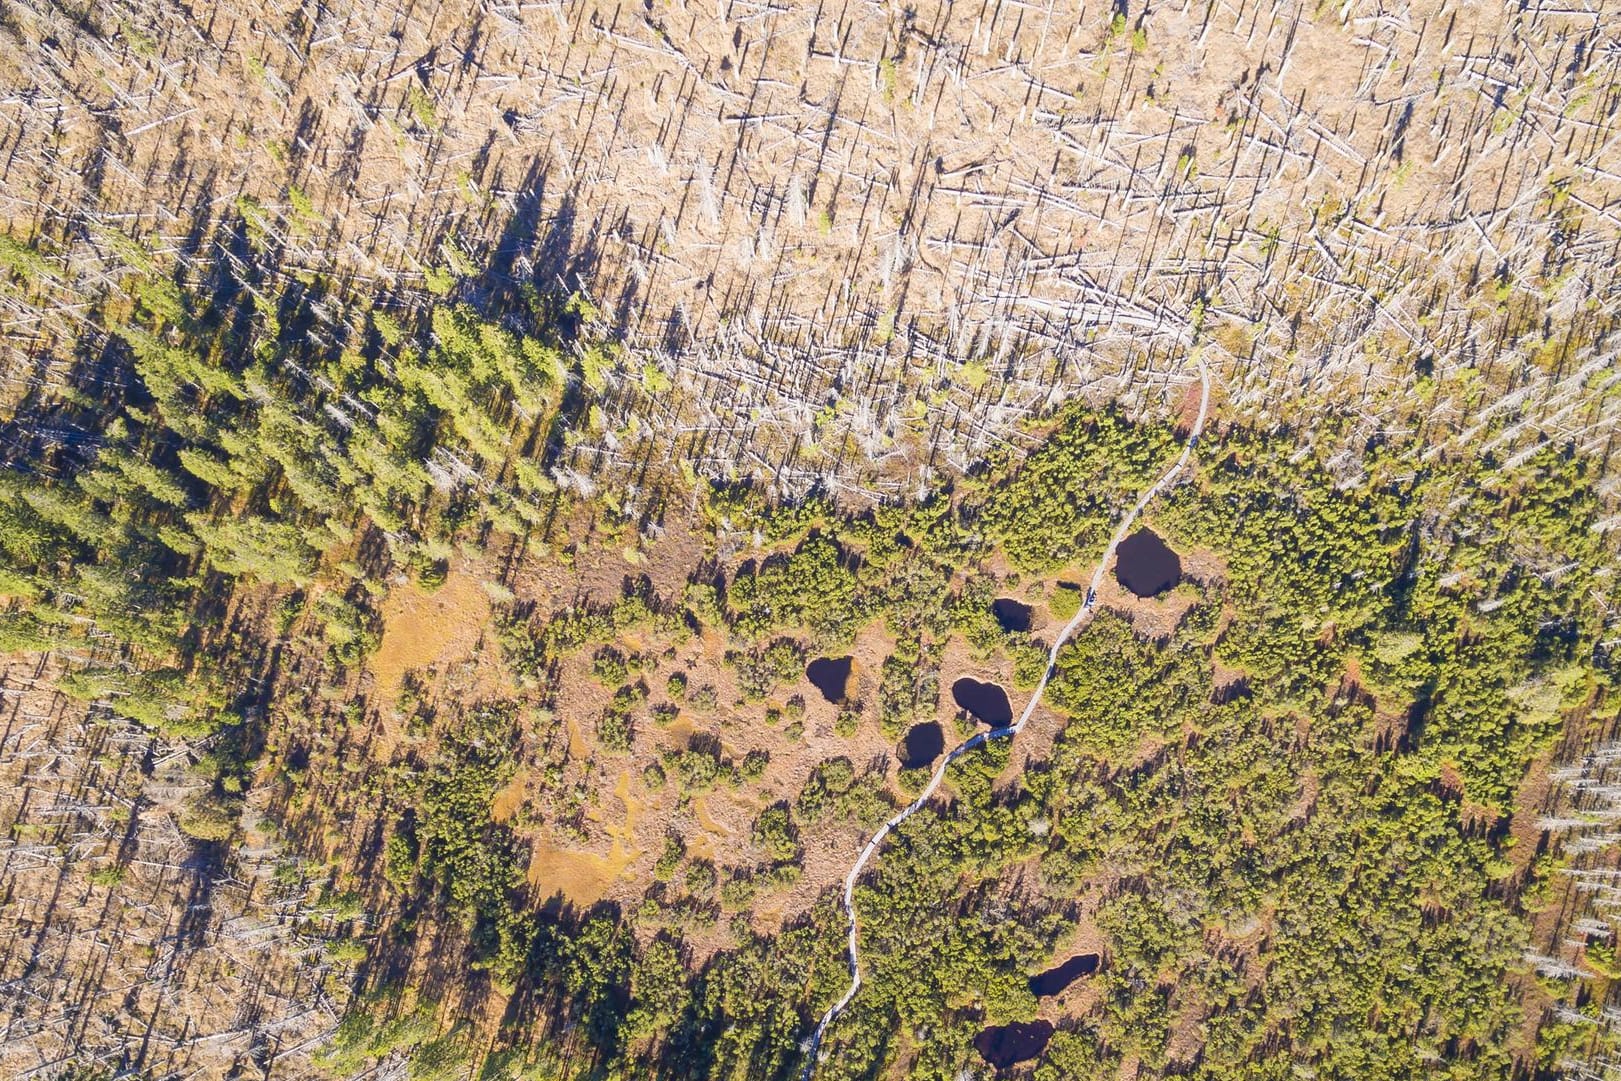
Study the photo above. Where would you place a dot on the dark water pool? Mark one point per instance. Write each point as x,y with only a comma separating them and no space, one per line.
1056,979
831,676
1011,614
921,745
1146,565
986,701
1005,1045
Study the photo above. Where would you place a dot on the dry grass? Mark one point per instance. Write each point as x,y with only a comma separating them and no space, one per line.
423,628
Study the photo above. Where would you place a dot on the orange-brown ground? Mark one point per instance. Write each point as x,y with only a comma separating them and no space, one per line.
424,627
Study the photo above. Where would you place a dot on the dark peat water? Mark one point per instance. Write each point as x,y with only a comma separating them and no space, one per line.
986,701
921,745
1005,1045
831,676
1011,614
1146,565
1061,976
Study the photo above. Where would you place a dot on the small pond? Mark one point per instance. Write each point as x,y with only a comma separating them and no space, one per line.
986,701
1056,979
1004,1045
1146,565
831,676
921,745
1011,614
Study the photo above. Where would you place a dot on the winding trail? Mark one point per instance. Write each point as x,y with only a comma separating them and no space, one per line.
1080,619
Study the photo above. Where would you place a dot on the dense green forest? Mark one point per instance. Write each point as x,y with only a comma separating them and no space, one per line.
1287,817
